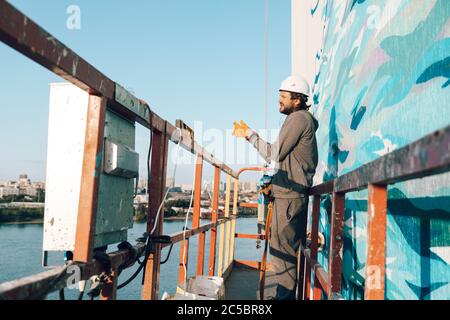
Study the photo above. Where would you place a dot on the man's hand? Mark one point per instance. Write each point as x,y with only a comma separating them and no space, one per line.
241,130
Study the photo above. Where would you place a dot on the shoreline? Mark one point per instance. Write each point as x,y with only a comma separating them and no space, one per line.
37,221
40,221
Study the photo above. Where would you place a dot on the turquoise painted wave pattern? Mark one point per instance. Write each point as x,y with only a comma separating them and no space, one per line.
383,81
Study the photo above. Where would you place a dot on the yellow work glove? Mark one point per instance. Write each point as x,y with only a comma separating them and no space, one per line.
241,129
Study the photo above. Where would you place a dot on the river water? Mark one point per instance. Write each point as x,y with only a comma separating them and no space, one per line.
21,252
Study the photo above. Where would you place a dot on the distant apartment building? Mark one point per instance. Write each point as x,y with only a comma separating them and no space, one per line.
8,191
186,187
23,186
248,187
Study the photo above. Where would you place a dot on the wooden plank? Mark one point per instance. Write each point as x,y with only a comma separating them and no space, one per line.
376,243
214,215
336,243
90,179
156,186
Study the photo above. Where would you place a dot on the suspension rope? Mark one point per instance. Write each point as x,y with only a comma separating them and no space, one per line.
266,66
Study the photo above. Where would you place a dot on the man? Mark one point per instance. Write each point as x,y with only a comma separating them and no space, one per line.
295,157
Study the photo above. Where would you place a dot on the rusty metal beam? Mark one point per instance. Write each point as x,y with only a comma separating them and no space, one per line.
25,36
323,188
314,233
427,156
315,215
90,179
109,290
214,215
320,275
157,184
30,287
376,243
336,243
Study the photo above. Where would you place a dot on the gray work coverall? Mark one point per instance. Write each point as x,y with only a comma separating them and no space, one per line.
295,157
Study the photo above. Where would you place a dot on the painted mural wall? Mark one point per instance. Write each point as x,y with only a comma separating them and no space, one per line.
381,79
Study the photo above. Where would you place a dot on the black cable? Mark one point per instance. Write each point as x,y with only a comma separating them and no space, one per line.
143,264
135,274
80,296
168,255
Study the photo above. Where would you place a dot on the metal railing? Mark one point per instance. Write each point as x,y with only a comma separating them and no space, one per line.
427,156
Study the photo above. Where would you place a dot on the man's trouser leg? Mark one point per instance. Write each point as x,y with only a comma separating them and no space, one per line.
288,229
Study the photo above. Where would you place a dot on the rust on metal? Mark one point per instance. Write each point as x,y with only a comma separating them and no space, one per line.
109,290
321,282
90,178
376,243
55,279
214,215
157,185
314,234
336,243
323,188
24,35
427,156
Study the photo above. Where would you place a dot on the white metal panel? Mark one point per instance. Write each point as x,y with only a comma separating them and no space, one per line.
307,37
67,126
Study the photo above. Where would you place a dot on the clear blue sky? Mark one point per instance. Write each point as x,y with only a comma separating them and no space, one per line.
199,60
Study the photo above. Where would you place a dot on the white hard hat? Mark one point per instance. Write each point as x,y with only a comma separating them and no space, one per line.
295,84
